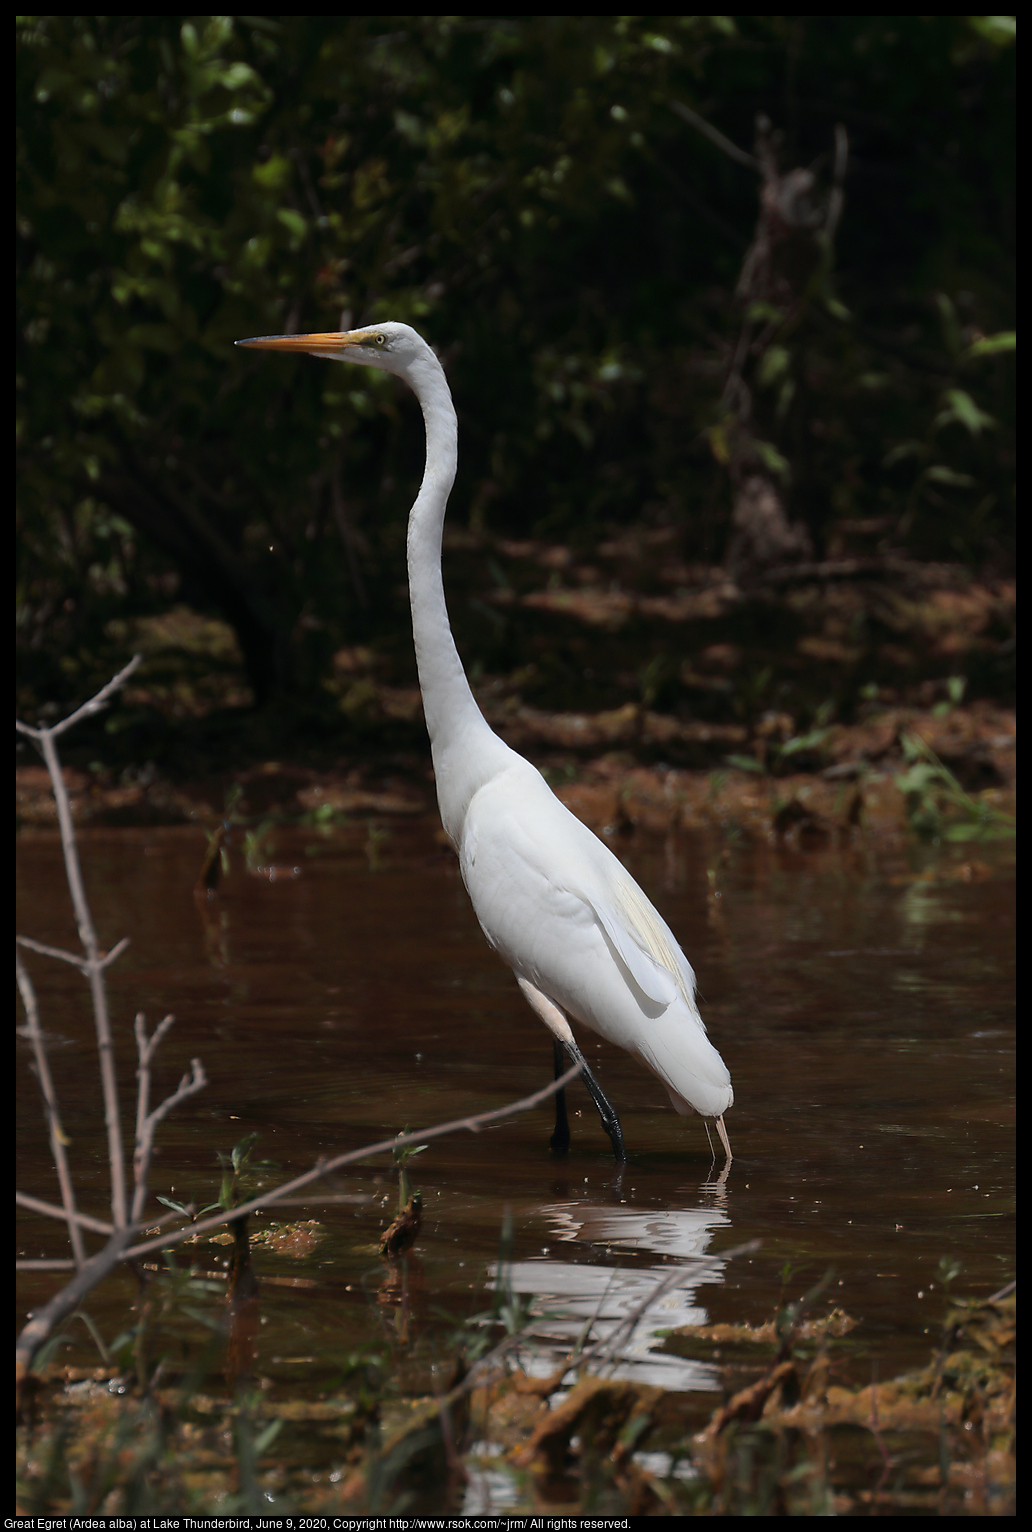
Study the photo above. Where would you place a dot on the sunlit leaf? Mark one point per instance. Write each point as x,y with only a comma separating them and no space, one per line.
771,458
745,763
992,345
1001,31
964,410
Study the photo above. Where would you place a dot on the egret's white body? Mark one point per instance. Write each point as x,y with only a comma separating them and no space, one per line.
552,899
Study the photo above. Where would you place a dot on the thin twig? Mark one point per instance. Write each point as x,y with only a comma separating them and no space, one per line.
101,700
188,1086
58,1138
96,961
715,136
72,1216
75,958
91,1270
145,1052
83,964
45,1320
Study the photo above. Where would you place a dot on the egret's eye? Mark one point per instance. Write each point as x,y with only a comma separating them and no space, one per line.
381,340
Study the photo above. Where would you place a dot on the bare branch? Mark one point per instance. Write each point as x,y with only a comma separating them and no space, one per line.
95,959
714,135
83,964
51,1210
101,700
45,1320
145,1051
107,958
188,1086
55,952
58,1138
93,964
151,1043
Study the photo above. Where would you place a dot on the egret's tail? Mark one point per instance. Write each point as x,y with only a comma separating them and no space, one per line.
680,1053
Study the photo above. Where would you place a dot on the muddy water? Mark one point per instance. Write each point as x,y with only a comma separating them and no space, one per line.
864,1007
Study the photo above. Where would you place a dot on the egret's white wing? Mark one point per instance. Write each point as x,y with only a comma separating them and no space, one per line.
643,930
531,839
645,967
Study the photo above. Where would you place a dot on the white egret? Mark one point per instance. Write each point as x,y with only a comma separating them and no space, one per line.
582,939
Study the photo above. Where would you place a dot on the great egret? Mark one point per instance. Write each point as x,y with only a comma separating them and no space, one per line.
561,909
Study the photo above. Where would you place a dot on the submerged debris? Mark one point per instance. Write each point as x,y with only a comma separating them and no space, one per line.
403,1232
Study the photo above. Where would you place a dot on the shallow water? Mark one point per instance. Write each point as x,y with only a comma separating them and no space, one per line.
864,1007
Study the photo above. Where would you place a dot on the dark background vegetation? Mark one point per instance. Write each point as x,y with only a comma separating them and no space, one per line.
529,193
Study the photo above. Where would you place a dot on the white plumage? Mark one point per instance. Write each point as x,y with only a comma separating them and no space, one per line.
581,937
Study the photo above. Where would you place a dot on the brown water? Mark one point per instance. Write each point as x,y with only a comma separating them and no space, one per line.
863,1006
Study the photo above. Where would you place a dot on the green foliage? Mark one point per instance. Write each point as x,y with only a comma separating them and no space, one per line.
524,191
938,808
402,1158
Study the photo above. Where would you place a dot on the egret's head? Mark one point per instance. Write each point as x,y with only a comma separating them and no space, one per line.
390,346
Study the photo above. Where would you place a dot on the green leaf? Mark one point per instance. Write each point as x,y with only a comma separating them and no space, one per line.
773,365
804,742
903,450
965,831
1000,31
992,345
274,174
292,221
964,410
177,1207
761,312
744,762
771,458
265,1438
940,474
919,778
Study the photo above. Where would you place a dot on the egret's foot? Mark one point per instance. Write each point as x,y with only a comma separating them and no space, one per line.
610,1121
559,1143
615,1132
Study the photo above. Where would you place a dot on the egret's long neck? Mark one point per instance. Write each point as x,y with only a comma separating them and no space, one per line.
463,744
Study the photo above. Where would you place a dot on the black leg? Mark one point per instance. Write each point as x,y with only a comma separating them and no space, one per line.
560,1140
610,1121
